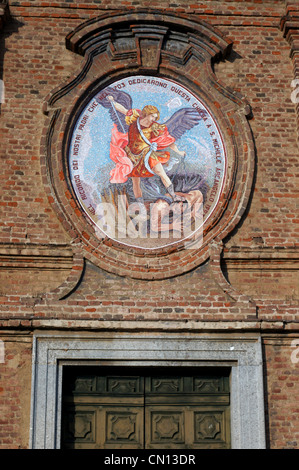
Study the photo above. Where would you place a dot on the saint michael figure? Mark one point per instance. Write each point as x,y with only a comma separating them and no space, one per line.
140,144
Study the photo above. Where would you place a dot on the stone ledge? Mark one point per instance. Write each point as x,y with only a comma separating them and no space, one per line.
229,327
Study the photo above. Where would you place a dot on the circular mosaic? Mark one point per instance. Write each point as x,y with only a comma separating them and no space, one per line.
147,162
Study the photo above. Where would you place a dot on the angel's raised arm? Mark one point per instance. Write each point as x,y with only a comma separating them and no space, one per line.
119,107
118,103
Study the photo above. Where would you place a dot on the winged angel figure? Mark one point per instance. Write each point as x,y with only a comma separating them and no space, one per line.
139,142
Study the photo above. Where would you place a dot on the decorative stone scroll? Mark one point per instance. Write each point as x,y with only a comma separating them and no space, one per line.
147,156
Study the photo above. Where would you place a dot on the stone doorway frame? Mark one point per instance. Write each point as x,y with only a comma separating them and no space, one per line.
51,352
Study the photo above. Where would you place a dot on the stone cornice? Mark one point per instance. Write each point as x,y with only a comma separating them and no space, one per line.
290,27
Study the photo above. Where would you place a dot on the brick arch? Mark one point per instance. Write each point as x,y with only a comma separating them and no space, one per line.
181,48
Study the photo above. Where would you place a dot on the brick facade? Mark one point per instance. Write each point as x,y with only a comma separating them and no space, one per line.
54,276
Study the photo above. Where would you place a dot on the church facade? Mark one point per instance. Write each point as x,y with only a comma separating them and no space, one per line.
149,225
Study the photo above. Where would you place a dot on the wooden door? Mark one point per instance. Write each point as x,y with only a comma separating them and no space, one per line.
142,408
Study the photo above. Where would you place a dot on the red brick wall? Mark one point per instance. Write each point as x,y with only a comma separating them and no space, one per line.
260,68
15,386
34,62
281,381
263,73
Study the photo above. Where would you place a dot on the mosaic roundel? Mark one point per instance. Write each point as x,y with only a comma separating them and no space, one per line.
147,162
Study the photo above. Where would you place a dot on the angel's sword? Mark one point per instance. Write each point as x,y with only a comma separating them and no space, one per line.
116,113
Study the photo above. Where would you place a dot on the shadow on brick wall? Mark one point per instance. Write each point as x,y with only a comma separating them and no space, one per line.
8,26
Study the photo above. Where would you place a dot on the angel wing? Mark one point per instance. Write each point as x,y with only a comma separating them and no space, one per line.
183,120
120,97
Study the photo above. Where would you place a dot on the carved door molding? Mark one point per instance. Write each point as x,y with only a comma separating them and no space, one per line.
179,48
52,353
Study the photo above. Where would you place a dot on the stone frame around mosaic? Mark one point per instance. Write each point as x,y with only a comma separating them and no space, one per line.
178,47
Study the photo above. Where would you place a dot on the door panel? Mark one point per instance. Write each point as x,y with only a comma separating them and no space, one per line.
211,428
79,427
186,412
186,427
165,427
121,427
103,427
161,411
